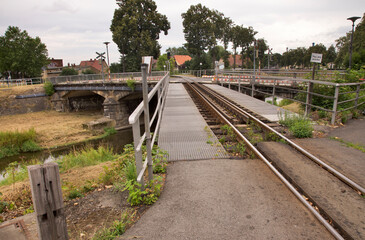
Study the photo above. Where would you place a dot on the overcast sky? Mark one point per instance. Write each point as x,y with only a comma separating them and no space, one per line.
75,30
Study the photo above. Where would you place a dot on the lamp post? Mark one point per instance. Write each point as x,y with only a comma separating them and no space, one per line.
107,54
353,19
201,69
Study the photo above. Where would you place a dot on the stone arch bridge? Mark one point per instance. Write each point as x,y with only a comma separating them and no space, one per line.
116,100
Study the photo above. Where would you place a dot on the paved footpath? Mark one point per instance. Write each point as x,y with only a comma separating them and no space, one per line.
225,199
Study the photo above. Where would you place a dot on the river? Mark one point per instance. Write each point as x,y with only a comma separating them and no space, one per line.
116,141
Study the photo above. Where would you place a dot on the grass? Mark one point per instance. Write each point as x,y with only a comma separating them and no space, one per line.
349,144
298,125
15,142
86,157
117,228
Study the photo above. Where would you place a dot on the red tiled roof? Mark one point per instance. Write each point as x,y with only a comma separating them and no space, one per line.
91,63
181,59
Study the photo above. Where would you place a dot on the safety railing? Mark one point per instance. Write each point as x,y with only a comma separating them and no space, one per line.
143,108
20,82
104,77
335,97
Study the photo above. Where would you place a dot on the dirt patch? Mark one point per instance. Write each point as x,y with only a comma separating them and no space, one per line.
20,90
54,128
294,107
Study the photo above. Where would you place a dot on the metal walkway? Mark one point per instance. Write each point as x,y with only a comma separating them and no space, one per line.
269,111
184,134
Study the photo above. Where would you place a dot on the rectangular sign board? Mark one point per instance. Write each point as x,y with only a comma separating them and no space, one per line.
316,57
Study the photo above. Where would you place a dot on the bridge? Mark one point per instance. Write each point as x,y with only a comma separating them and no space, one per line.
116,98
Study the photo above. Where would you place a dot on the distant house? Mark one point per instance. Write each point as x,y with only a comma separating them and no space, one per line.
94,65
238,61
53,69
180,61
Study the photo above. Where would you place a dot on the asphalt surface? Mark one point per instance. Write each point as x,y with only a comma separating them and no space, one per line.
225,199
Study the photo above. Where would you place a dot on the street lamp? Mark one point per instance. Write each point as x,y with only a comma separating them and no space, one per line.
353,19
201,69
107,54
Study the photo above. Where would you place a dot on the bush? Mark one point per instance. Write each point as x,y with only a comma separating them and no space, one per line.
302,129
131,83
48,88
298,125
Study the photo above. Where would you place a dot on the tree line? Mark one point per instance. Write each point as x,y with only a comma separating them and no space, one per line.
209,34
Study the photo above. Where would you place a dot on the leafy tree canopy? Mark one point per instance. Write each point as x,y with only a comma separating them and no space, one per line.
178,51
21,54
68,72
136,26
162,63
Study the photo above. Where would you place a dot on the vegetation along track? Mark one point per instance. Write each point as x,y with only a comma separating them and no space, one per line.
246,129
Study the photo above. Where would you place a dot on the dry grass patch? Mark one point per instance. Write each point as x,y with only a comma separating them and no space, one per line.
53,128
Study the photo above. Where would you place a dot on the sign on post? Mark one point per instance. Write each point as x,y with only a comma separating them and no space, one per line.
316,57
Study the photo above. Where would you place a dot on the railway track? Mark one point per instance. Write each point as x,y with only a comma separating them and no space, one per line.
222,114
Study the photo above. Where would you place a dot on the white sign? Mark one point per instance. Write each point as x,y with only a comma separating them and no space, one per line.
316,57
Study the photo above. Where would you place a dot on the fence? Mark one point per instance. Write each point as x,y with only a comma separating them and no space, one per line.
20,82
104,77
334,97
161,90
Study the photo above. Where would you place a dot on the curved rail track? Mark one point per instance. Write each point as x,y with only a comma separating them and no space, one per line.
228,113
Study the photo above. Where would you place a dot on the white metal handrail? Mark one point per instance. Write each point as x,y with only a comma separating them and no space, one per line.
161,90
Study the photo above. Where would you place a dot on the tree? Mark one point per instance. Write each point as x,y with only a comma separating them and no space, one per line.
136,26
68,72
116,68
162,61
22,55
243,37
178,51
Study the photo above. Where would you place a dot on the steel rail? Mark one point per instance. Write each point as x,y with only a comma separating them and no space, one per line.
320,218
336,173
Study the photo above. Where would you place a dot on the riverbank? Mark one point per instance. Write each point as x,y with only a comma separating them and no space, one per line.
53,128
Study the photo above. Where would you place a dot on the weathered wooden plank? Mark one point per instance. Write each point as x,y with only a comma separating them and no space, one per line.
47,200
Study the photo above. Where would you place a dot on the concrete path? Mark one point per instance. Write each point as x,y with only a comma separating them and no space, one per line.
225,199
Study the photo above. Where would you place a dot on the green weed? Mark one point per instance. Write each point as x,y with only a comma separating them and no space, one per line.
131,83
86,157
298,125
117,228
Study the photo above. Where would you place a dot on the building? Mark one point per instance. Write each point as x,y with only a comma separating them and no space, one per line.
238,61
53,69
93,65
180,61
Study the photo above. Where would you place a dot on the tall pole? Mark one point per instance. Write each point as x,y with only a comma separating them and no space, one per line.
353,19
107,54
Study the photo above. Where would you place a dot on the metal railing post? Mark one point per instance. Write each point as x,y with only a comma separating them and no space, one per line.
239,84
335,101
357,94
137,153
308,101
273,92
147,120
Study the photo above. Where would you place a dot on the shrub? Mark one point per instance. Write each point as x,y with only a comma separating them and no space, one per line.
298,125
48,88
74,193
131,83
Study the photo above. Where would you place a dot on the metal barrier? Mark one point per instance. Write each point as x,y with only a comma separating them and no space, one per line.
302,86
161,90
99,77
20,82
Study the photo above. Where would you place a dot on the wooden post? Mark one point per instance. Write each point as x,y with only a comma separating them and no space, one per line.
309,93
47,201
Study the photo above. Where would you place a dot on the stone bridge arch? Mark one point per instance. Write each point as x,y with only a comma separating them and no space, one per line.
112,104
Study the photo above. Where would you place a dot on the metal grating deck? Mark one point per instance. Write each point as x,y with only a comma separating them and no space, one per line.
184,134
262,108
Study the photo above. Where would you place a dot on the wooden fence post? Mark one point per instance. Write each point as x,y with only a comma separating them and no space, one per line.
47,201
